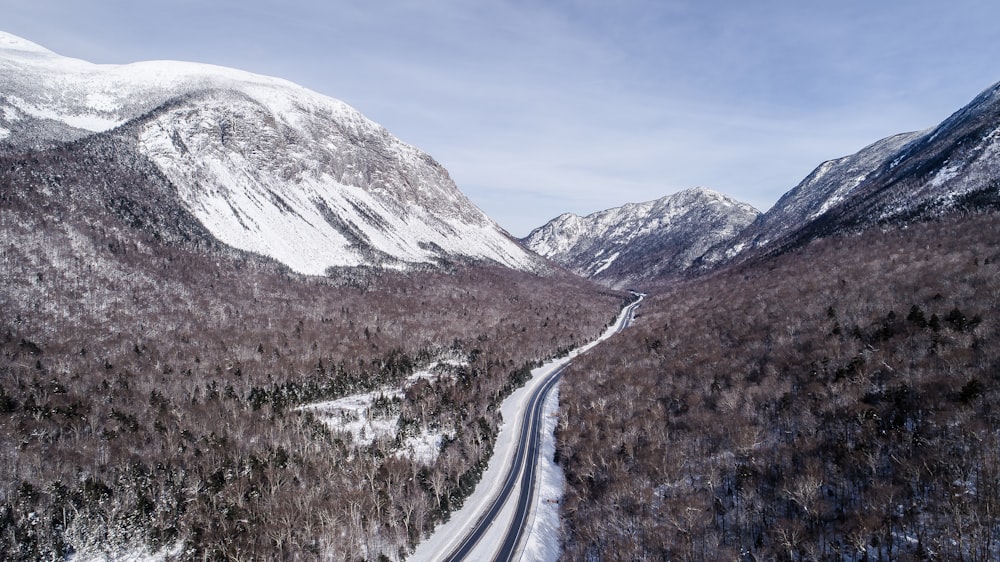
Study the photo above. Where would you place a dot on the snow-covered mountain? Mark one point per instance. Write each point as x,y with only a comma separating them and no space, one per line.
642,241
905,177
264,165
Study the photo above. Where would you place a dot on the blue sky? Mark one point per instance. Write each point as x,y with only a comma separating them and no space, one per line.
544,107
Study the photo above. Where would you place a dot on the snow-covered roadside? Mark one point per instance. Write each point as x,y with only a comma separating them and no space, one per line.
352,414
446,536
543,543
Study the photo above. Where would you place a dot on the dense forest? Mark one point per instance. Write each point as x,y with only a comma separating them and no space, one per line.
836,402
149,378
833,402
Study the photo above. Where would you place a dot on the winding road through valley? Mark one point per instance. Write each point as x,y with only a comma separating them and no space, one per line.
495,527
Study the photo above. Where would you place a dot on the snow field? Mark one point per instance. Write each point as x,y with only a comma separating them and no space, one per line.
279,206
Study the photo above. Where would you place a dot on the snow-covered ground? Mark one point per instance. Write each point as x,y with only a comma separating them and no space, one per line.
543,538
125,552
369,416
543,541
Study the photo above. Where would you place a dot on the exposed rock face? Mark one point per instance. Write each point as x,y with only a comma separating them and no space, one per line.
642,241
266,166
906,177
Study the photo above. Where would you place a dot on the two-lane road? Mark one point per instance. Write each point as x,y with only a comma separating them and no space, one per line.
518,525
522,471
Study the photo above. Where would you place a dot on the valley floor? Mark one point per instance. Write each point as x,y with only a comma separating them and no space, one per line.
543,541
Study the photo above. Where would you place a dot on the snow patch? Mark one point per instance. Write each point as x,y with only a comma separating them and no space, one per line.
946,173
371,416
78,119
356,414
124,553
736,249
605,263
10,113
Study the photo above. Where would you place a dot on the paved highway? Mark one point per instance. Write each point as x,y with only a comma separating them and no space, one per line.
522,472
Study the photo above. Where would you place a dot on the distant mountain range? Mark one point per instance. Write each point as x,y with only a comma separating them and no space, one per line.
911,176
260,165
263,165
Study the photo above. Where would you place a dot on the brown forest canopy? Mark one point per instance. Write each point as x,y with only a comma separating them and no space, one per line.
148,377
837,402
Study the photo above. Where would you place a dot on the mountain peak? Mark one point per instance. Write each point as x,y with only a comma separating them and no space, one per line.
11,42
265,165
639,242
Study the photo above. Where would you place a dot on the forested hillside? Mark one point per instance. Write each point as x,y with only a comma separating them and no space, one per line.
838,402
149,377
241,321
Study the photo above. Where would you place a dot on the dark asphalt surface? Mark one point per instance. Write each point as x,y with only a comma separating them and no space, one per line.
524,468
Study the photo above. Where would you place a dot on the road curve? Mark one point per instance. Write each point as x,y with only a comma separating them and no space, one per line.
525,456
518,524
523,470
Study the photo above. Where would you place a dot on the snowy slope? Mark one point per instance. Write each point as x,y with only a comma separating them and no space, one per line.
829,184
265,165
642,241
905,177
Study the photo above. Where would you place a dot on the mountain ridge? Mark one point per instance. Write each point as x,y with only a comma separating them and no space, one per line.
638,242
900,178
905,177
267,166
